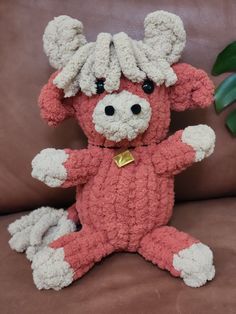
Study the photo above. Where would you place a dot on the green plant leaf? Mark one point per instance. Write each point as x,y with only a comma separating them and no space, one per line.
225,93
226,60
231,122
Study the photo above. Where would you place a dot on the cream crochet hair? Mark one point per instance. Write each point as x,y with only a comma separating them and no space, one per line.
82,63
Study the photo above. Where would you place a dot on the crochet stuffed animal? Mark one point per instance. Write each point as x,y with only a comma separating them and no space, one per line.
121,91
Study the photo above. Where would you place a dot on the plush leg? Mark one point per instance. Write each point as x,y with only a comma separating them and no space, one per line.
32,232
180,254
69,258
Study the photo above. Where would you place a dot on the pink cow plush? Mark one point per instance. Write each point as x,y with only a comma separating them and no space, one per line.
121,92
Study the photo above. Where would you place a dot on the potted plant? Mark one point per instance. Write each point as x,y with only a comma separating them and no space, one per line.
225,93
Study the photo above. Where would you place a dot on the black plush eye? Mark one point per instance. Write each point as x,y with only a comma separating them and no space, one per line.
109,110
100,86
148,86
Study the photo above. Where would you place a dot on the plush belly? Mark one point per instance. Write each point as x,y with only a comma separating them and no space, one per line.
126,202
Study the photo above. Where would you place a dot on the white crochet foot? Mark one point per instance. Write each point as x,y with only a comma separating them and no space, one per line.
48,167
202,139
50,270
195,265
34,231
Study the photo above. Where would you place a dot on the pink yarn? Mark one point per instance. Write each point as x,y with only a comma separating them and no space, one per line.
127,209
73,214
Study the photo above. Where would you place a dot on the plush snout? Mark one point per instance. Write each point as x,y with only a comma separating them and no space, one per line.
121,116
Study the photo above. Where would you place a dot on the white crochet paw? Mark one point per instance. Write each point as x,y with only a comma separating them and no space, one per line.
50,270
48,167
195,265
202,139
32,232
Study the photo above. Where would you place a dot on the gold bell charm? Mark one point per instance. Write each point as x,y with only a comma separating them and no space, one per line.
123,159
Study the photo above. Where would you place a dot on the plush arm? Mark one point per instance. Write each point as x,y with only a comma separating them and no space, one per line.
54,108
193,89
81,165
65,168
182,149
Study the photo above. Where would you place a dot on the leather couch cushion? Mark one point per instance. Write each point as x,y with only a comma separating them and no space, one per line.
25,68
126,283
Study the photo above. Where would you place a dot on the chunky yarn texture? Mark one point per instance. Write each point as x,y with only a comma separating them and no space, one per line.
127,208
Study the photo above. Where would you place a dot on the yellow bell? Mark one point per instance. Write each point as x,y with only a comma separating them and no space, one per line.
123,159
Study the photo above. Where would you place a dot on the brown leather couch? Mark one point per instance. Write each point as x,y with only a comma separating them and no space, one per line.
206,207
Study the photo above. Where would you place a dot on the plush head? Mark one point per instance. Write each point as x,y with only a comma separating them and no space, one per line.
121,90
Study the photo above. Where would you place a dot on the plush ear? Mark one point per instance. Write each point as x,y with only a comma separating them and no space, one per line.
61,39
165,34
193,88
54,108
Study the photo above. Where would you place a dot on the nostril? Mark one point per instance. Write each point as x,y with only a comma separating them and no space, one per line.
136,109
109,110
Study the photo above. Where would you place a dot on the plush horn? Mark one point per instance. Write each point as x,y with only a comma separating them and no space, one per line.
62,38
165,34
